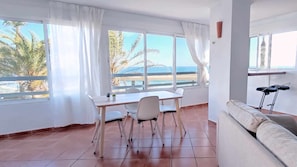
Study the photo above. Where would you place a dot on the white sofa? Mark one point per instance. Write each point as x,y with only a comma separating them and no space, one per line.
248,138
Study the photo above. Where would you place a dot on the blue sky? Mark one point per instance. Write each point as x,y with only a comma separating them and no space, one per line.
37,28
165,46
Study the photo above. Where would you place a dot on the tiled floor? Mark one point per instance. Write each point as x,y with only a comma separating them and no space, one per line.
73,147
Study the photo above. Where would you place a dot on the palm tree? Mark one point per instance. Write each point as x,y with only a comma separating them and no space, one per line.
120,59
22,56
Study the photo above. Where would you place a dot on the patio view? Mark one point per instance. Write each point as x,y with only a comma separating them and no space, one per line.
23,70
150,64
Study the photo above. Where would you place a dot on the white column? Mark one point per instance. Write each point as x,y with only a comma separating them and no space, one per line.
229,55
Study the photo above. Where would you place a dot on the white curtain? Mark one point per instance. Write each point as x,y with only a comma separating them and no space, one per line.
197,37
74,60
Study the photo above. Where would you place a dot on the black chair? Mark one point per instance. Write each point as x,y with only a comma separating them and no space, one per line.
271,89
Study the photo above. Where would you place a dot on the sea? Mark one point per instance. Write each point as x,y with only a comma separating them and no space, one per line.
162,70
159,69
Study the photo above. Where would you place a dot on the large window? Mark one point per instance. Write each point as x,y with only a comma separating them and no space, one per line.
149,61
273,51
23,70
186,69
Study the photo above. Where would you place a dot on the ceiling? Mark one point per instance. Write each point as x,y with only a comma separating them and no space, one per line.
190,10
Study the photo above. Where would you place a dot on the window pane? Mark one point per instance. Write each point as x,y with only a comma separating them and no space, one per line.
159,61
283,51
23,70
126,51
186,68
253,52
263,48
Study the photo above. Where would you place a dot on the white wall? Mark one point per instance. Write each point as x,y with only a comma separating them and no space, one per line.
229,55
23,116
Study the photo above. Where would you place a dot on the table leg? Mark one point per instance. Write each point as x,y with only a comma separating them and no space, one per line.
102,126
180,124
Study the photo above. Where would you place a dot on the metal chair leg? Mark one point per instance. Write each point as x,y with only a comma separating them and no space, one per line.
96,130
123,131
161,135
138,137
174,119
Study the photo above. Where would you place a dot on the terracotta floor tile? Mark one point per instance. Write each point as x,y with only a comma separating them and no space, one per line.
24,163
61,163
72,146
200,142
204,152
161,153
181,142
207,162
184,162
158,163
109,162
144,153
134,163
85,163
182,152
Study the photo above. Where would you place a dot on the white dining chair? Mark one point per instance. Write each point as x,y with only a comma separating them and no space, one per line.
131,108
147,110
171,108
110,116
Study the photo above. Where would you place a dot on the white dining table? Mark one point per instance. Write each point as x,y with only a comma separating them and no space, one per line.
121,99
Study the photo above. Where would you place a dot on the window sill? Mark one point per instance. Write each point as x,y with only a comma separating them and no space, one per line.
10,102
258,73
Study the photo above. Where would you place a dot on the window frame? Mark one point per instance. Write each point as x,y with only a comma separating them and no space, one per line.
269,54
145,87
44,25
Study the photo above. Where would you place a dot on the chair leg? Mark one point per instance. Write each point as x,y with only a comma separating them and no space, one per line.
153,132
97,141
126,119
182,124
174,119
96,130
122,130
131,130
138,137
161,135
163,122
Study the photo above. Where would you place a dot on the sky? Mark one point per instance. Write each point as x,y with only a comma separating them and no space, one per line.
165,46
33,27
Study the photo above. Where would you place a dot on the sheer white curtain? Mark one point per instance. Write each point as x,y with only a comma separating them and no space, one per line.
197,37
74,57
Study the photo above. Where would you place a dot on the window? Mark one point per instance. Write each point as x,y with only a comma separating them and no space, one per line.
149,61
283,52
186,69
23,69
273,51
159,66
126,57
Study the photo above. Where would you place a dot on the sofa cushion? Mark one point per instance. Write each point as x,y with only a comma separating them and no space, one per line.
280,141
286,121
250,118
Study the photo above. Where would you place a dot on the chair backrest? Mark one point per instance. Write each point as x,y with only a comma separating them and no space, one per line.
132,106
178,91
94,108
148,108
181,92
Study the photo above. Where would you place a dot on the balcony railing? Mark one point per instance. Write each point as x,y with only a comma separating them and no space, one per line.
10,88
155,80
